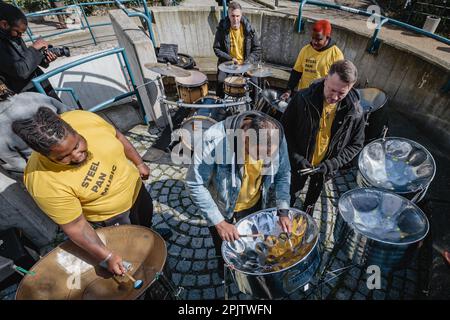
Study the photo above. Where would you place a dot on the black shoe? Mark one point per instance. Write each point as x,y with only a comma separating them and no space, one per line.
165,233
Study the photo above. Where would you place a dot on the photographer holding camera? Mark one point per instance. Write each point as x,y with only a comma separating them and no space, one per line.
19,64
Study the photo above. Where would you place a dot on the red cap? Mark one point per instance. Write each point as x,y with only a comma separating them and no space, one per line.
323,26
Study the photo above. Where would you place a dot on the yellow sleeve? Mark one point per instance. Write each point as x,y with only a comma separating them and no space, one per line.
101,123
61,210
339,55
300,60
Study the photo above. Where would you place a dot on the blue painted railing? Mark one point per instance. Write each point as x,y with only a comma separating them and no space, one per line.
120,53
85,24
382,20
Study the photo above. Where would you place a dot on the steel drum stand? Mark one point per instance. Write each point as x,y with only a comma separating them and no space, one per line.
344,234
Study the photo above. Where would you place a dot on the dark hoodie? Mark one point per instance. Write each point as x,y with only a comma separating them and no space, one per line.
19,63
252,46
295,76
301,123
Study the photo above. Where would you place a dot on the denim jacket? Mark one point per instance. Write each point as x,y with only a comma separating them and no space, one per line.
214,185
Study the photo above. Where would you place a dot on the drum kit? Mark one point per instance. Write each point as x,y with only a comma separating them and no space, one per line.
192,89
69,273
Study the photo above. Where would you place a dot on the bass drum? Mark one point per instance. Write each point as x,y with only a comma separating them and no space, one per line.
200,120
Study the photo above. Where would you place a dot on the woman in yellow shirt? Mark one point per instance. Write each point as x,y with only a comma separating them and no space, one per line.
315,59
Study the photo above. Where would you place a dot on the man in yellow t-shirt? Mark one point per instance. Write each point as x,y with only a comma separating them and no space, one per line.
84,172
235,40
324,127
314,60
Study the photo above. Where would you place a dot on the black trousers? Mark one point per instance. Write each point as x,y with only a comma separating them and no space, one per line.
314,188
165,138
236,217
141,213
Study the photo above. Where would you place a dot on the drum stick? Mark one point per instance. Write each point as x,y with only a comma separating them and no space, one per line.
136,283
256,235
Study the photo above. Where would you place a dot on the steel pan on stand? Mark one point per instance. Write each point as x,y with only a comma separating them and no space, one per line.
397,164
270,266
377,227
70,273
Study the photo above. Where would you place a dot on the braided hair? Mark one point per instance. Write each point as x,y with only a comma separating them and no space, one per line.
44,130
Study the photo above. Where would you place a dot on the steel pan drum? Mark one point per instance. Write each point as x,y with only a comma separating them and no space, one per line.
377,227
270,104
396,164
56,274
271,266
372,102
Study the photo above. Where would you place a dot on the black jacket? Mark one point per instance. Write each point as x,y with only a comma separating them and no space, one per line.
301,124
295,76
19,63
252,46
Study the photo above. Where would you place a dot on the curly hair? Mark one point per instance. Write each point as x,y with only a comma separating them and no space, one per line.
11,14
44,130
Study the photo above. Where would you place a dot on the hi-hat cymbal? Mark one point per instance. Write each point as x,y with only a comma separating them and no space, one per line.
231,67
259,71
167,69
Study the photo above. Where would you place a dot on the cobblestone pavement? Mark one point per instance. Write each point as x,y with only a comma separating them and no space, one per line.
191,255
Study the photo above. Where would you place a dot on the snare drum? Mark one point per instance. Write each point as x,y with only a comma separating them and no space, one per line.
192,88
201,119
235,86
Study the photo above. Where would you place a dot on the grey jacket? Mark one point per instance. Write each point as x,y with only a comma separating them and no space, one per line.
214,185
13,150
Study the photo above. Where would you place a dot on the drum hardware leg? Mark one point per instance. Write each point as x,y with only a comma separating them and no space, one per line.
166,282
384,132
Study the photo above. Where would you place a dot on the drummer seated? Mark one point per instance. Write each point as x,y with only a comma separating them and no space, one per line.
84,172
314,60
324,127
235,40
231,177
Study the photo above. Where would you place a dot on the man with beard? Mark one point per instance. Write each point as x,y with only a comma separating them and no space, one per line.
83,171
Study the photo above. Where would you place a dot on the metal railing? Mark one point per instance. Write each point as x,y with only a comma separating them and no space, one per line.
120,53
375,42
78,8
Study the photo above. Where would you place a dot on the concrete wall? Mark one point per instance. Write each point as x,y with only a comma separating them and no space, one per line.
413,82
17,209
139,50
93,82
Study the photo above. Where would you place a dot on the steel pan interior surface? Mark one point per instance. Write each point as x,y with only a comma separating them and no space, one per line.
397,164
383,216
140,246
273,251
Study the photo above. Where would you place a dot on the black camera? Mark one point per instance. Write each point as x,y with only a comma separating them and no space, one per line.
57,51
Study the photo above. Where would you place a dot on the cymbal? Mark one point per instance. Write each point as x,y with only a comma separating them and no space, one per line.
69,273
231,67
167,69
259,71
195,78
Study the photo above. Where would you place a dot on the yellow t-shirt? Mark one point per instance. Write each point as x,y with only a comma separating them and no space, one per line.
251,185
237,43
315,64
323,136
106,185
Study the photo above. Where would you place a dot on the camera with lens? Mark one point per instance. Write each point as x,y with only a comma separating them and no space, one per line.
57,51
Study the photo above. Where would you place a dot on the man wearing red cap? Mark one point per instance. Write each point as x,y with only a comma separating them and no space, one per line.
315,59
